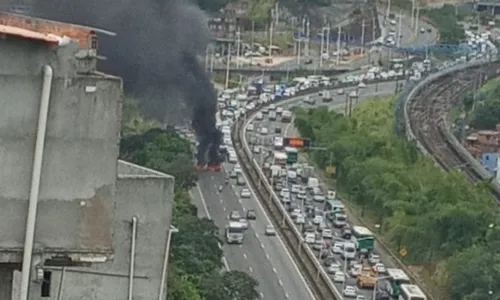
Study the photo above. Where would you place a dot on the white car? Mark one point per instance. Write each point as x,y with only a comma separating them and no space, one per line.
244,223
256,150
301,219
379,268
319,198
355,270
237,168
361,85
339,277
337,248
318,244
295,189
340,92
360,297
286,199
245,193
350,291
373,258
295,212
327,233
270,231
285,193
264,131
250,127
310,238
317,220
302,195
333,268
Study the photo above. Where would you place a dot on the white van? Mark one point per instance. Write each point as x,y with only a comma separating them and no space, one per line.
291,176
233,158
312,183
259,116
349,251
339,220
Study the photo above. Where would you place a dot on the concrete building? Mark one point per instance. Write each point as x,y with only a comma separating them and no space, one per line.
101,225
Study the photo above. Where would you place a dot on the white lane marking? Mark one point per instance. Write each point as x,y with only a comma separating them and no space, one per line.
280,282
268,220
267,256
204,203
262,246
262,295
286,296
274,270
239,200
220,200
256,235
250,269
224,208
244,256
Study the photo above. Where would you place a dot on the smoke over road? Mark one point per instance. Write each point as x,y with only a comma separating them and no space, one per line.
155,52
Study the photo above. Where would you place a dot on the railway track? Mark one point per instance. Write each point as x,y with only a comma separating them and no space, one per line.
428,111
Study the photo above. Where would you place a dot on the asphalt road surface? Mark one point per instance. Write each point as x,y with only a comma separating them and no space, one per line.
384,89
263,257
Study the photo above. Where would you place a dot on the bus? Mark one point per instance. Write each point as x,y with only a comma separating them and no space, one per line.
363,238
411,292
332,207
292,155
396,278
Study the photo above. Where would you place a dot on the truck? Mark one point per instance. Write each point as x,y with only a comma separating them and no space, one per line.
367,278
286,116
327,96
272,115
234,232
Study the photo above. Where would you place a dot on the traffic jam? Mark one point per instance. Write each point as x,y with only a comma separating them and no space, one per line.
345,250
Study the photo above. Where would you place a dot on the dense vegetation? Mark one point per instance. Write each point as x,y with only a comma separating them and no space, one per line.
448,226
195,263
483,106
446,21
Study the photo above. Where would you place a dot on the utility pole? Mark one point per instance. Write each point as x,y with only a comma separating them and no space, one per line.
388,10
238,42
416,18
294,38
338,45
227,65
298,45
253,36
328,39
399,29
346,106
212,59
363,37
321,47
308,34
412,13
276,14
271,39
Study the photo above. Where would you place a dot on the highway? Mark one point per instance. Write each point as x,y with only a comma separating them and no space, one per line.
263,257
383,89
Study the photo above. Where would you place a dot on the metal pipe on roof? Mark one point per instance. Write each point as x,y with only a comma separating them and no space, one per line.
36,175
132,260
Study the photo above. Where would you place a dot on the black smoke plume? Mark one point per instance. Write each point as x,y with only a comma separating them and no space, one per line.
156,53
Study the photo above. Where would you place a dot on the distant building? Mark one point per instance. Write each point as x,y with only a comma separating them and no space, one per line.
240,11
90,204
490,162
222,27
483,141
491,7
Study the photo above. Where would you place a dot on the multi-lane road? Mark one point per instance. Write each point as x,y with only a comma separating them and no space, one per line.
264,257
287,129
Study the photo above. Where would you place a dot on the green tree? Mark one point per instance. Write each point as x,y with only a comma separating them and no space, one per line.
486,114
231,285
437,216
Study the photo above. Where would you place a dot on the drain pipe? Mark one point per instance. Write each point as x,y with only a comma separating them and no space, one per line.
35,181
132,260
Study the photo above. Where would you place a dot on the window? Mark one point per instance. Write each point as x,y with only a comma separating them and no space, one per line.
47,277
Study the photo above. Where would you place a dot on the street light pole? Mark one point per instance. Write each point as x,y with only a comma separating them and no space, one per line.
163,287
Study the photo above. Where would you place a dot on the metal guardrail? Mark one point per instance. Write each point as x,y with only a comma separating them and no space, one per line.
309,265
492,70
